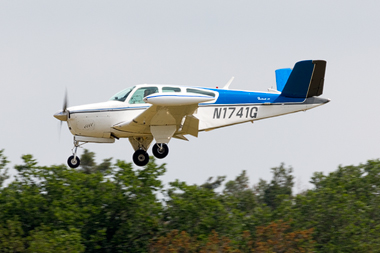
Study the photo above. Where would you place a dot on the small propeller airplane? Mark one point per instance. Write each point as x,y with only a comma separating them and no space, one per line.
148,112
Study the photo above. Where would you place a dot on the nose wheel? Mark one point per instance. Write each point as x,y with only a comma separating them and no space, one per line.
140,157
73,162
160,150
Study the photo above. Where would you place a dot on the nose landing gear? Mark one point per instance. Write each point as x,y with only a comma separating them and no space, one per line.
73,160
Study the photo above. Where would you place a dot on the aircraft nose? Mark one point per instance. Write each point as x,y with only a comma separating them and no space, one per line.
62,116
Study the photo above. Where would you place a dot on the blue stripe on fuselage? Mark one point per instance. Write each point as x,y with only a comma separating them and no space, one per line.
251,97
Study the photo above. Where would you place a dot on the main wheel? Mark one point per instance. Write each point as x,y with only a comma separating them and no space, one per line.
160,150
140,157
73,163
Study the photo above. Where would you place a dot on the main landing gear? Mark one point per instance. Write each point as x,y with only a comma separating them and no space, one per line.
160,150
141,157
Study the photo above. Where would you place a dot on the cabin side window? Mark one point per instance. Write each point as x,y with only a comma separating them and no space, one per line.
202,92
171,89
137,97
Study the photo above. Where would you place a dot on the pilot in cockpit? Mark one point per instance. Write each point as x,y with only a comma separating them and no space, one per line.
149,91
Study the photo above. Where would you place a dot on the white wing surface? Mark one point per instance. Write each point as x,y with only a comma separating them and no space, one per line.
163,122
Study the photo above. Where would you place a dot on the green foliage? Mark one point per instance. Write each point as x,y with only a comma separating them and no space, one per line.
3,170
108,210
240,194
344,209
59,241
88,164
11,237
195,209
117,208
280,188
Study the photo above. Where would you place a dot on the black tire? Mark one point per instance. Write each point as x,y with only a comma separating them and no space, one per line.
73,163
140,158
160,152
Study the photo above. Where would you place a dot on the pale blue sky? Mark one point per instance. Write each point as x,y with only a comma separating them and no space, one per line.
96,48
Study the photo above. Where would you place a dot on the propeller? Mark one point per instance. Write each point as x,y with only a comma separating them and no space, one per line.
64,111
63,115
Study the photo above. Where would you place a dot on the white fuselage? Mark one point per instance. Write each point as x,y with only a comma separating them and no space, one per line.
97,120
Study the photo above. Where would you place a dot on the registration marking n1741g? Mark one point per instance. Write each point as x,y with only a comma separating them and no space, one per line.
234,111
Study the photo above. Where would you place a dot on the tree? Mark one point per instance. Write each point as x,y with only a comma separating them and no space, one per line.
44,240
272,194
11,236
343,209
198,210
240,194
3,170
213,185
277,237
88,164
115,208
106,211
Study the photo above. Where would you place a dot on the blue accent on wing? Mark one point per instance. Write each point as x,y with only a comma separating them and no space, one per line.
299,80
282,76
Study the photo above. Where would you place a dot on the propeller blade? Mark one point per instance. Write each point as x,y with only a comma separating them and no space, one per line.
62,115
65,102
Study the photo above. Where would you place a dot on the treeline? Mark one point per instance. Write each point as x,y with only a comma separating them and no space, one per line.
120,208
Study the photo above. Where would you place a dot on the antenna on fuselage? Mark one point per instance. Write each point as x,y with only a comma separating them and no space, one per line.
228,84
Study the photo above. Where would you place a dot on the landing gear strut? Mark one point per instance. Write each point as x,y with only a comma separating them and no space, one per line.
140,157
140,144
73,160
160,150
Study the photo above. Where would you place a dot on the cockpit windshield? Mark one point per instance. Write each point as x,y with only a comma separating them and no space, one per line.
122,95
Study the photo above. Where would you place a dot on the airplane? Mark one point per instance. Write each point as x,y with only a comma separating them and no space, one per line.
160,112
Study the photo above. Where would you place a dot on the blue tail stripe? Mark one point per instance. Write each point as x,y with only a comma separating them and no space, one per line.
282,76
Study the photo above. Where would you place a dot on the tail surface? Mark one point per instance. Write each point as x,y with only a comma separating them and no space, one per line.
305,80
282,76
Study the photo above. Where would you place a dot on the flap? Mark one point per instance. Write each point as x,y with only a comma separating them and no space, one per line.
191,125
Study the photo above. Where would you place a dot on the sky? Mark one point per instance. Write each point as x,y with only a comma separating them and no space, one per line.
97,48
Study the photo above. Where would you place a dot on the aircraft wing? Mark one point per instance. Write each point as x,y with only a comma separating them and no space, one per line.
169,116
